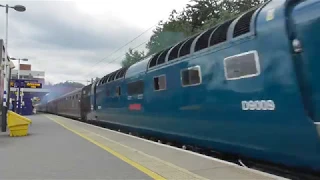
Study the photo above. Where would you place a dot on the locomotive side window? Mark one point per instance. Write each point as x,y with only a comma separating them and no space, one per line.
118,91
242,66
191,76
135,88
159,83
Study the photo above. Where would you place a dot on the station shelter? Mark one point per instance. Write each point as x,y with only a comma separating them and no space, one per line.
27,90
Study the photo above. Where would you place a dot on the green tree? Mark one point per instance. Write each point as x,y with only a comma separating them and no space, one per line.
194,18
96,79
197,16
244,5
168,33
201,11
131,57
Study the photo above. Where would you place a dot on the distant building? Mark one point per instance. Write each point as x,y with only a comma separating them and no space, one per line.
27,73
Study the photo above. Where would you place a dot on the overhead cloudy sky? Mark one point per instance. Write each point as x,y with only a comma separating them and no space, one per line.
68,39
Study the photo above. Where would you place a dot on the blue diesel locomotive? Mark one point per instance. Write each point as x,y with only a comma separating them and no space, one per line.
247,86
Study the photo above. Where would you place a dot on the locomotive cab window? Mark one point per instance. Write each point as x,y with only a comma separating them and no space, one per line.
191,76
159,83
242,66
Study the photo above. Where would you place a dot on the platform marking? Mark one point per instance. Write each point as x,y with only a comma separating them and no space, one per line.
166,169
118,155
178,149
147,155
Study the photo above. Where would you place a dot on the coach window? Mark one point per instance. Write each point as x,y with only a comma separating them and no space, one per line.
76,100
159,83
118,91
191,76
135,88
243,65
71,98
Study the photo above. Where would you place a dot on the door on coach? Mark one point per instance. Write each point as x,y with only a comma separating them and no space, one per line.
85,103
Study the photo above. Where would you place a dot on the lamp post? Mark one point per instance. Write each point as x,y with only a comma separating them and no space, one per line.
6,91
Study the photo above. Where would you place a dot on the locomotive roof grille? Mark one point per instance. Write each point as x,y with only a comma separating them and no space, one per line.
185,49
210,37
111,76
220,34
153,61
213,36
118,74
122,73
203,40
174,52
162,57
243,24
105,78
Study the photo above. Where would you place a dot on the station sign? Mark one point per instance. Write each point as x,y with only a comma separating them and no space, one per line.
25,84
32,85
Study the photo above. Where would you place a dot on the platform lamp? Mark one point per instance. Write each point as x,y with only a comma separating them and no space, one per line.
6,91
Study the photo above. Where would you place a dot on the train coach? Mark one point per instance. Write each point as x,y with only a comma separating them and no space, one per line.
247,86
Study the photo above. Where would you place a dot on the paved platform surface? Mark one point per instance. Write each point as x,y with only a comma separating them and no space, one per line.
52,152
61,148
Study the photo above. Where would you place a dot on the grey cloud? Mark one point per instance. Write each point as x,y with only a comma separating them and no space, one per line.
74,64
63,42
60,24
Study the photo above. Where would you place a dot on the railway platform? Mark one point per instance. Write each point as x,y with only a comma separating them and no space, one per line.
61,148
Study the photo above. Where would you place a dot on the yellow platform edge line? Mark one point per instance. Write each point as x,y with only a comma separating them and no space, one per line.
118,155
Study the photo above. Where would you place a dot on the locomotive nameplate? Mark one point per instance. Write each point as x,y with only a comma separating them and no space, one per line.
263,105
